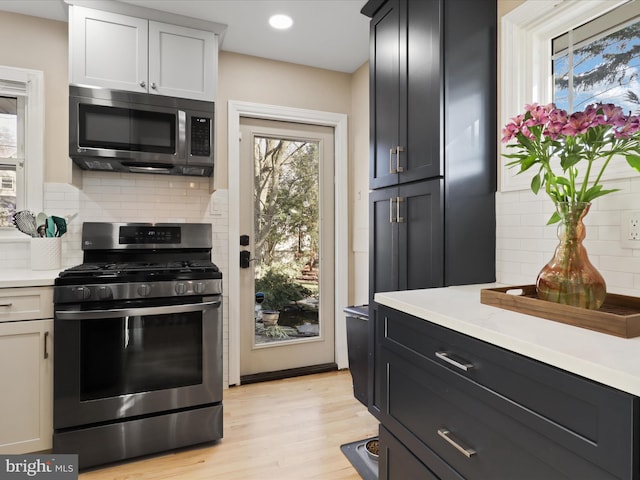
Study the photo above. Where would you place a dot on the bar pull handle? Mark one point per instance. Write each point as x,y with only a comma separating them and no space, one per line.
46,351
466,451
455,361
399,218
392,168
399,149
7,305
391,220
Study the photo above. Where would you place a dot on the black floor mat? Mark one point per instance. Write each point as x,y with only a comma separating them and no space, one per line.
356,453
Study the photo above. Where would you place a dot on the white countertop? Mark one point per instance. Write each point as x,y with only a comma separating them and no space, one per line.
600,357
27,278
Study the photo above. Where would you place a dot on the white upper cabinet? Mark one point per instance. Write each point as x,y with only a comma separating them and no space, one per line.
122,52
182,61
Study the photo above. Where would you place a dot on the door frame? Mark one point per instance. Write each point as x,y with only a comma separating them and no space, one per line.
235,110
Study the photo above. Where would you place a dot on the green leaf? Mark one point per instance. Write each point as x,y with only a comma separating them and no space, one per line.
594,192
528,162
569,160
536,183
563,181
555,218
634,161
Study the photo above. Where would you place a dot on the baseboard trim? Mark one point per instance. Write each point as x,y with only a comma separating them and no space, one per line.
288,373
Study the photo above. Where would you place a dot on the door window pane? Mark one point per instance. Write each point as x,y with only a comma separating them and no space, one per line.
287,219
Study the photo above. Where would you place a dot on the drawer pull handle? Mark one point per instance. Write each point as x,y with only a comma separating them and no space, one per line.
458,363
466,451
7,305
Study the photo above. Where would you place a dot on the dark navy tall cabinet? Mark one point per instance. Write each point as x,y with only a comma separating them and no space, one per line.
433,141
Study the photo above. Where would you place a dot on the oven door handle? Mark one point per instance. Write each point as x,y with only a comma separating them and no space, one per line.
131,312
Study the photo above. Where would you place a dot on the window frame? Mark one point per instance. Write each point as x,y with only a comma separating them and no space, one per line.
30,194
526,73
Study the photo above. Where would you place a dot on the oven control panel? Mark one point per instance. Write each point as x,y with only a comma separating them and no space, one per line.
136,290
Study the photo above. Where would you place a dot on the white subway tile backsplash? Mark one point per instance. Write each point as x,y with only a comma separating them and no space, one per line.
123,197
525,244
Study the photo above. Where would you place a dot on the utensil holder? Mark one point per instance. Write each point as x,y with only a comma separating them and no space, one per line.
46,253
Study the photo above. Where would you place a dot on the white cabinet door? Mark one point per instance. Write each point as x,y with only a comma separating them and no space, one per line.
108,50
26,376
182,61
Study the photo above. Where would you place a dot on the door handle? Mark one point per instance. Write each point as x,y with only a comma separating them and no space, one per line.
245,259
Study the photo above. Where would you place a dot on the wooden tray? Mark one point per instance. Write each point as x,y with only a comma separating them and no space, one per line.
619,315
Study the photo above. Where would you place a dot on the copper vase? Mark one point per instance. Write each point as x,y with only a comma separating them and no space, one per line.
569,277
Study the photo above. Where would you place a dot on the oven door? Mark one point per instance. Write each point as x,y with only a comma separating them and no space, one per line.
133,359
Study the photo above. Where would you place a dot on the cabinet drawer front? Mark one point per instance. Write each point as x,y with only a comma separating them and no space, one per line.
396,461
25,303
458,421
582,416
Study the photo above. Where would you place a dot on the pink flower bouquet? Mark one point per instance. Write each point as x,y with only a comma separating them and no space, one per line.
589,139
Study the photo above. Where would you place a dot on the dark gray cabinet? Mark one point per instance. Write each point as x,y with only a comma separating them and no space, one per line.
406,245
433,143
463,408
406,86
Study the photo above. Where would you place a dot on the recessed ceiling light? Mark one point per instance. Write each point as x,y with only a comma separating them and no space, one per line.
281,22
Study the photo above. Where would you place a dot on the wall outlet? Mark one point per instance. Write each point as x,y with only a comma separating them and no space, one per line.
630,230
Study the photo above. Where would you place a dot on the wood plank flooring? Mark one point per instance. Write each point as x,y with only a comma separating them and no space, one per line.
288,429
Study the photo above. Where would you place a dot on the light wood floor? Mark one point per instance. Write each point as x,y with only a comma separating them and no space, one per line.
285,429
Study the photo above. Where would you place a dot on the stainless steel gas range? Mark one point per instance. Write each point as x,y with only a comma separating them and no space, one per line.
138,343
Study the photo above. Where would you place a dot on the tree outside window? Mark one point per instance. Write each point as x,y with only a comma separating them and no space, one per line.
599,62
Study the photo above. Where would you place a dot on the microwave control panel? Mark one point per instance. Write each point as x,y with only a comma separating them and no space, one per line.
200,136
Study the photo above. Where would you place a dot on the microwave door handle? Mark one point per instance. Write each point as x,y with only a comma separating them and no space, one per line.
182,135
130,312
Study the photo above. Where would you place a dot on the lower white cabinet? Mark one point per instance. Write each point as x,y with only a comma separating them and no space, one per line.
26,376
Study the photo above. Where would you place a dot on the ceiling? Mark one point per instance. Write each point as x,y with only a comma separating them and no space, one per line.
329,34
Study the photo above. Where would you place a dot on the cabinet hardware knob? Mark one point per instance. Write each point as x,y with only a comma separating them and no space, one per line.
143,84
456,362
153,85
466,451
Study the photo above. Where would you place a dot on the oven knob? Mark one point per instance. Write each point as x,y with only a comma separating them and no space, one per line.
144,290
83,293
181,288
105,293
199,287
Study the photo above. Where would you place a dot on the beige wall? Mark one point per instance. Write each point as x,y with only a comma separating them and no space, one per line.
505,6
252,79
39,44
359,186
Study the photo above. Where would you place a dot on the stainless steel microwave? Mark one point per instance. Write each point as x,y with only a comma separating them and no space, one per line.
121,131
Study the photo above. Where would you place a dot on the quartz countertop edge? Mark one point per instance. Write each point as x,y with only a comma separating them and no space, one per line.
603,358
10,278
